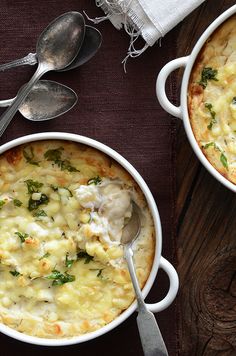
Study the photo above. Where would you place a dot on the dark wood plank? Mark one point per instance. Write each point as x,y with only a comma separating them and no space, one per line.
206,244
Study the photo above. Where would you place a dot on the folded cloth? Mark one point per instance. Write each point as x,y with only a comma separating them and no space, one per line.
151,19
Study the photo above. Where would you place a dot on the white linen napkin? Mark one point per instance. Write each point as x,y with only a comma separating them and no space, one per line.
151,19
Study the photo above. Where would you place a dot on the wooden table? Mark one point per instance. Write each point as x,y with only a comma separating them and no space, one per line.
206,241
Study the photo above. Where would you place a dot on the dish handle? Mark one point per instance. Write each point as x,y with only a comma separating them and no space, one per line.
161,82
173,289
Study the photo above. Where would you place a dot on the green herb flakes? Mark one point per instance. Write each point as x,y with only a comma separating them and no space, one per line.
234,100
99,274
95,180
17,202
207,74
40,213
66,166
33,186
54,155
224,160
34,204
46,255
55,189
85,255
60,278
29,156
210,144
68,262
14,273
21,236
2,202
213,115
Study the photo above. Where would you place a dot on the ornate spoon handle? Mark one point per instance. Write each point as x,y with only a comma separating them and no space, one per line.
30,59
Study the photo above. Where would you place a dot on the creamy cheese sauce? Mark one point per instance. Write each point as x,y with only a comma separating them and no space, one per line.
63,207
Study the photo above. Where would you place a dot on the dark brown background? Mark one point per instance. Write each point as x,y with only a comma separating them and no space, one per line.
118,109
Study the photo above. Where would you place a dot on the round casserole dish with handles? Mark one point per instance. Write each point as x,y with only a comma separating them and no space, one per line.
182,111
158,262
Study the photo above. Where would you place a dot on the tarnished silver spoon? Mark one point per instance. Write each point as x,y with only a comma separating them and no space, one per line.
46,100
151,338
57,47
91,44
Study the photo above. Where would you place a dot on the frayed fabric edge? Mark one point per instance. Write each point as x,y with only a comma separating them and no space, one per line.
122,16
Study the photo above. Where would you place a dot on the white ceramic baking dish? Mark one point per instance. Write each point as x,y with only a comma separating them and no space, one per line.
182,110
159,261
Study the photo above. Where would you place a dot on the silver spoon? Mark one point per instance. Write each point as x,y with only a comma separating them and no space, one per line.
46,100
57,46
151,338
91,44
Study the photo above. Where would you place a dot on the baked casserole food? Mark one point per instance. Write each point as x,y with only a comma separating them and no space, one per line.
212,99
63,206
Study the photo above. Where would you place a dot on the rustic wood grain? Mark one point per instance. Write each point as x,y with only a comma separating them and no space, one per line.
206,243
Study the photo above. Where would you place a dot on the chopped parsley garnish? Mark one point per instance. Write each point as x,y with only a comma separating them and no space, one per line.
29,156
14,273
47,254
34,204
2,202
213,115
66,166
223,158
54,155
210,144
17,202
21,236
68,262
99,274
85,255
94,180
208,74
55,188
40,213
60,278
33,186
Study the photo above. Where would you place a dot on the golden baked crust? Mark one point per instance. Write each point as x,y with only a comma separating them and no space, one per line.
212,99
63,206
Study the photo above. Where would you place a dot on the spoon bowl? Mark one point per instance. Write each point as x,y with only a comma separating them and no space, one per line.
151,338
91,44
132,229
61,41
46,100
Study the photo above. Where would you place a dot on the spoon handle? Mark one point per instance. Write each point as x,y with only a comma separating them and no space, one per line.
7,102
7,116
30,59
151,338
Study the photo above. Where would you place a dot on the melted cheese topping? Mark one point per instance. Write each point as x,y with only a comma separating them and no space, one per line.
63,207
214,126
